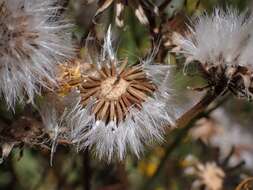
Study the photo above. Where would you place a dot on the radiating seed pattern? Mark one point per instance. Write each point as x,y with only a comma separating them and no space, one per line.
114,89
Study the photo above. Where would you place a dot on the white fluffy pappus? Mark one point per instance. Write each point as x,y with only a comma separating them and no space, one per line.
125,122
62,117
217,39
246,57
233,135
33,38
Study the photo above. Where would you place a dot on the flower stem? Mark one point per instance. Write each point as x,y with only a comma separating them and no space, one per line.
185,123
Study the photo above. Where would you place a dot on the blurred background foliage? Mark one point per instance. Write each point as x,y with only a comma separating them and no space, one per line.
162,167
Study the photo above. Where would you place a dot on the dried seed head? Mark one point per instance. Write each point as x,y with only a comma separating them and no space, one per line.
116,91
33,38
217,39
118,105
222,44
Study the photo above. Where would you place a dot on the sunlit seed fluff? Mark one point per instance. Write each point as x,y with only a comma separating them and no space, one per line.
33,38
218,38
122,107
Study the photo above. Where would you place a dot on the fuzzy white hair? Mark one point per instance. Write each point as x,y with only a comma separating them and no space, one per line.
140,127
33,38
218,38
62,117
246,56
231,136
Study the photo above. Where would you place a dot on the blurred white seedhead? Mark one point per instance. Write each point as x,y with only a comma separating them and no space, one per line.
221,43
230,136
120,106
33,38
216,39
210,175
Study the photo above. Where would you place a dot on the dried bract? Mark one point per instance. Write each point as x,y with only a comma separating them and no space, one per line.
140,8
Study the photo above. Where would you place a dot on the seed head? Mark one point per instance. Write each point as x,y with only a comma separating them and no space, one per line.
33,38
221,43
121,105
217,39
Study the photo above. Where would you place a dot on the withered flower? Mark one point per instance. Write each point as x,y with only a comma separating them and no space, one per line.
118,106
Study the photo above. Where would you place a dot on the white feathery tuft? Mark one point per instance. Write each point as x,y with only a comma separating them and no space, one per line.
33,38
65,119
141,127
229,136
218,38
246,56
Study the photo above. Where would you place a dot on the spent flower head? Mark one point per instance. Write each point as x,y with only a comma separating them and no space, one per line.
217,38
221,43
33,38
119,106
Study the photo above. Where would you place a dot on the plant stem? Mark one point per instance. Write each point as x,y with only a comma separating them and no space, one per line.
86,171
122,174
186,122
197,108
